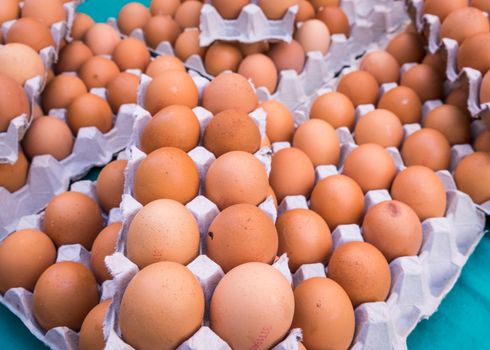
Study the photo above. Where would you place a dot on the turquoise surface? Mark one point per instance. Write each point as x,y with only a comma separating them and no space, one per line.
462,321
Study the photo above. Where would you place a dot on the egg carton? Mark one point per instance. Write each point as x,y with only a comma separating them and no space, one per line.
20,301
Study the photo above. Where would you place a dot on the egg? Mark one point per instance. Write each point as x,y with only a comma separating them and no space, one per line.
20,62
443,8
292,173
451,121
279,121
472,174
304,236
72,57
404,103
102,39
81,24
173,126
97,71
371,166
164,63
62,91
236,177
306,11
458,98
222,56
91,332
261,70
161,28
335,19
475,53
47,11
122,89
438,62
424,80
110,183
421,189
319,141
325,314
187,44
172,87
481,4
335,108
349,86
14,176
464,23
381,127
229,91
276,9
64,294
313,35
9,10
31,32
240,234
131,53
252,307
229,9
13,100
427,147
48,135
164,7
166,173
133,15
318,4
89,110
288,56
24,255
104,245
406,47
188,14
251,48
482,142
164,288
382,65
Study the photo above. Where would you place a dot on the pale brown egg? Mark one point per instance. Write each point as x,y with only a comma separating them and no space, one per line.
335,108
131,53
451,121
91,332
81,25
72,57
63,296
362,271
313,35
425,81
306,11
229,91
31,32
102,39
482,142
350,85
472,174
97,71
166,173
257,47
122,89
14,176
261,70
9,10
252,307
229,9
442,8
132,16
381,127
110,184
13,100
288,56
187,44
404,103
276,9
164,7
407,48
89,110
20,62
61,91
335,19
159,29
483,5
104,245
279,122
47,11
222,56
324,313
174,126
163,63
475,53
421,189
188,14
231,130
427,147
464,23
319,141
24,255
234,178
382,65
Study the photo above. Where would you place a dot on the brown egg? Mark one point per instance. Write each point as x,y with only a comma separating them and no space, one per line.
104,245
222,56
31,32
131,53
279,122
335,19
165,288
229,91
48,135
319,141
110,183
164,63
61,91
304,236
318,4
350,84
324,312
458,98
187,44
438,62
81,25
240,234
371,166
288,56
14,176
159,29
229,9
276,9
102,39
381,127
171,87
20,62
89,110
464,23
122,89
257,47
404,103
47,11
164,7
236,177
335,108
339,200
383,66
188,14
97,71
306,11
252,307
9,10
24,255
475,53
407,48
481,4
482,142
443,8
427,147
132,16
261,70
91,332
13,100
362,271
472,174
424,81
451,121
72,57
313,35
421,189
164,230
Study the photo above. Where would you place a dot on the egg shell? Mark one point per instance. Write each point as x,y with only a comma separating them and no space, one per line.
121,90
164,7
20,62
383,66
89,110
222,56
161,28
335,108
31,32
427,147
97,71
403,102
381,127
471,176
349,83
313,35
406,48
47,11
14,100
9,10
131,53
229,10
279,122
187,44
81,24
466,54
424,80
163,63
275,9
261,70
72,57
463,23
451,121
442,9
188,14
62,91
101,38
288,56
132,16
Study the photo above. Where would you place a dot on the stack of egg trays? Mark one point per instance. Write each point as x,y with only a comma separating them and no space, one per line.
9,140
430,26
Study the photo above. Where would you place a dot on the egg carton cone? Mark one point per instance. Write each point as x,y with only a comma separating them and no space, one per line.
20,301
251,25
